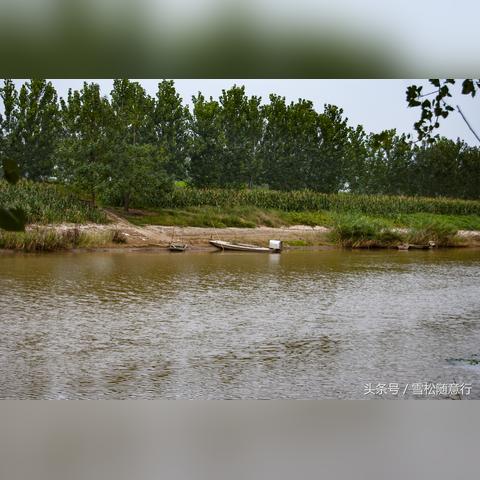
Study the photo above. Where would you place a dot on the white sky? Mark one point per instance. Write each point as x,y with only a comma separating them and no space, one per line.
376,104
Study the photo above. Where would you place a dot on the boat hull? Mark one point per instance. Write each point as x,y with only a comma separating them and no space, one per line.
177,247
240,247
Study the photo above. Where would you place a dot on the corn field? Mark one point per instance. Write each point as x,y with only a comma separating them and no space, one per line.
306,200
47,203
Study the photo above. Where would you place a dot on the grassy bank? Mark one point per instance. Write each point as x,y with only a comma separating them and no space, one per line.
251,217
354,220
357,231
378,215
50,203
353,230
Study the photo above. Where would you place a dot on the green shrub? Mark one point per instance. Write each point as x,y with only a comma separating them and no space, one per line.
439,231
358,231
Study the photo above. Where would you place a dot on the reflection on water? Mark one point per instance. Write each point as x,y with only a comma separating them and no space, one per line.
304,324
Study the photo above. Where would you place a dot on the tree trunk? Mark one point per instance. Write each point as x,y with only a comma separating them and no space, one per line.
126,201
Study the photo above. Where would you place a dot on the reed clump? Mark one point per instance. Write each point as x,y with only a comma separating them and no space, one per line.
118,237
357,231
442,233
50,240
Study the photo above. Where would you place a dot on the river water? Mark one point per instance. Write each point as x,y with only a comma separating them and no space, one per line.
303,324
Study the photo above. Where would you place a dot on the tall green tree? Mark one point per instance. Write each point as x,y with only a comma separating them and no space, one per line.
37,125
171,122
9,132
291,140
389,164
86,141
328,162
469,172
207,144
137,167
133,112
242,125
357,154
445,168
137,176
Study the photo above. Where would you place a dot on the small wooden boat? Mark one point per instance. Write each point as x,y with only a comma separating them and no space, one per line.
408,246
177,247
243,247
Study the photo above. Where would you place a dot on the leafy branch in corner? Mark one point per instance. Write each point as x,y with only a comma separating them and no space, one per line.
436,105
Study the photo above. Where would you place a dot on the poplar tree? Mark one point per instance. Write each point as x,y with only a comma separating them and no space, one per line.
9,140
242,128
291,140
208,144
136,166
171,122
329,160
389,164
37,129
86,142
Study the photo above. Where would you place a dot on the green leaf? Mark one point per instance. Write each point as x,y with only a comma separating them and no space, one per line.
468,88
11,172
414,103
444,92
412,94
435,82
12,219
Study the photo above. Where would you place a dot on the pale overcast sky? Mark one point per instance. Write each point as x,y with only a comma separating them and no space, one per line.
376,104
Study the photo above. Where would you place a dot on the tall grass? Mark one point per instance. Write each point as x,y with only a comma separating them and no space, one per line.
357,231
49,240
49,203
439,231
306,200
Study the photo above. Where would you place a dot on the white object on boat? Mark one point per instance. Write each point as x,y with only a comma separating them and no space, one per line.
275,245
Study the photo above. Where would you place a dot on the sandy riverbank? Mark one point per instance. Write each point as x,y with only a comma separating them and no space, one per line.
158,236
197,237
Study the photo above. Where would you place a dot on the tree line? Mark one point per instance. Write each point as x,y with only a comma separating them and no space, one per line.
129,148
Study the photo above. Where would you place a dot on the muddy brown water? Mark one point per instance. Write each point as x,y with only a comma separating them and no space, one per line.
303,324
